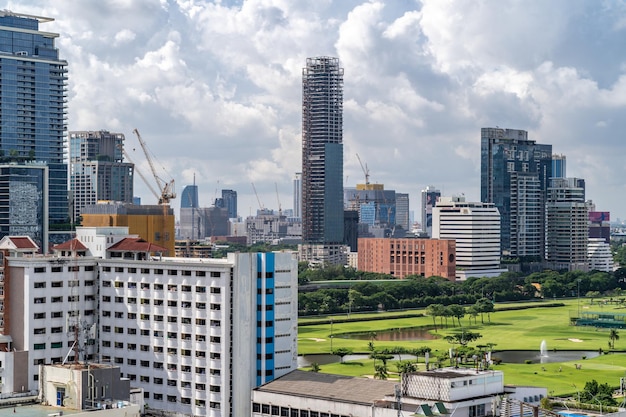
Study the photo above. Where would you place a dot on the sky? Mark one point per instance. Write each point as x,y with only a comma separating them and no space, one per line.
215,88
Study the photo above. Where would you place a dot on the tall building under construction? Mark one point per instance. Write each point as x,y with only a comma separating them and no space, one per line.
322,161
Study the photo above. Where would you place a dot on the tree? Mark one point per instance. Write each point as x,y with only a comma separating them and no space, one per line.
341,352
463,337
473,312
601,393
484,305
457,311
406,367
381,371
613,335
435,310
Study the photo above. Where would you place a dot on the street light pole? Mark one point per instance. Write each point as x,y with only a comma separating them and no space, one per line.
578,297
331,336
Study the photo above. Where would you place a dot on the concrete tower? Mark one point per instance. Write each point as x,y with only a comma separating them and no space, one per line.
322,160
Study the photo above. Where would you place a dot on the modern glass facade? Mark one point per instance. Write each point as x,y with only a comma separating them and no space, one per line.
97,169
33,103
189,197
514,176
23,202
322,151
430,196
229,199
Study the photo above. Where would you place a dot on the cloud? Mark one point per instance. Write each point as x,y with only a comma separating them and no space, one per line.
215,86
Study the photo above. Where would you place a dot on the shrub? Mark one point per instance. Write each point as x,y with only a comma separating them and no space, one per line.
528,361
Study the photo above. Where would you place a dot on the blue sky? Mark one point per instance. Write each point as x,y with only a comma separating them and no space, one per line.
215,87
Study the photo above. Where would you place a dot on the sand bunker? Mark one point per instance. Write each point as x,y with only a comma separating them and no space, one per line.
575,340
315,339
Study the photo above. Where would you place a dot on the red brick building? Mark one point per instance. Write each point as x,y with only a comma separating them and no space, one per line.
402,257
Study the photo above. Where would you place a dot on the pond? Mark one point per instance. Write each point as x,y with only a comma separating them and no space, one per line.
391,335
521,356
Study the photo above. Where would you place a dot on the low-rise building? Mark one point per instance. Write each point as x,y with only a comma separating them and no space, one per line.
461,392
409,256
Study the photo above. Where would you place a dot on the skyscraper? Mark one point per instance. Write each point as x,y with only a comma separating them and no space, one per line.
229,201
567,228
97,169
402,211
514,175
33,91
430,195
322,160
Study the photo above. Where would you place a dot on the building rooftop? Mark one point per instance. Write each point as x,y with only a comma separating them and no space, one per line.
36,410
450,373
335,387
136,245
72,245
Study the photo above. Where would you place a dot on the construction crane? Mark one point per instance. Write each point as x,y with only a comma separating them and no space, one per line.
166,188
138,171
365,169
257,198
280,210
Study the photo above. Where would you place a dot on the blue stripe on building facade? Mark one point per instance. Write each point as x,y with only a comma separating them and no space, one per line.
265,347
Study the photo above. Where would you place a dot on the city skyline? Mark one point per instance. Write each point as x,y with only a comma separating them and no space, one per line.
220,98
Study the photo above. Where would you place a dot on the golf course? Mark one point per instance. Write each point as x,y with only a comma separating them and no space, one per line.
511,327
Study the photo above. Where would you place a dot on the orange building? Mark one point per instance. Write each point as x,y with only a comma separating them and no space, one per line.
153,223
402,257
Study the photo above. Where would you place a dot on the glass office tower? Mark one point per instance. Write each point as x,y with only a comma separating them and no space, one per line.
514,175
33,104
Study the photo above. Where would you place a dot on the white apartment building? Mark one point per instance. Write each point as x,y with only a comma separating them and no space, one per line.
476,229
195,334
48,302
599,255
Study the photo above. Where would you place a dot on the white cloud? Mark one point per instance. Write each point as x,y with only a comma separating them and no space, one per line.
215,87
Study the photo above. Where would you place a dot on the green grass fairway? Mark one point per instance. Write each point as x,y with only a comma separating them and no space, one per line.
508,330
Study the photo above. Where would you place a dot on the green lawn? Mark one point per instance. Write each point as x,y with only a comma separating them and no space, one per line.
508,330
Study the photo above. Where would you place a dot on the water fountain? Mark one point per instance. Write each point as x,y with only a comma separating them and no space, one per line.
543,349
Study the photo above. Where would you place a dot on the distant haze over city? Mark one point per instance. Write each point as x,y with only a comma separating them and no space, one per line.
215,88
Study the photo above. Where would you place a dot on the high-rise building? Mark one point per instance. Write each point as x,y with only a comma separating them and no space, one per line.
599,255
567,225
189,197
430,195
33,96
97,169
322,161
559,165
476,229
514,175
229,202
297,195
402,211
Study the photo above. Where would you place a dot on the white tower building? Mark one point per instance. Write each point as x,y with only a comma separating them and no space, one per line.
476,229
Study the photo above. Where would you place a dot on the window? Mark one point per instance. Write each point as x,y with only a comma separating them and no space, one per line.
201,306
216,290
40,316
158,272
106,269
131,346
172,303
106,329
56,314
57,269
144,348
172,319
171,398
106,299
40,285
119,345
56,330
200,289
39,270
145,364
56,299
119,269
39,346
200,273
40,300
145,332
56,284
119,315
41,330
158,287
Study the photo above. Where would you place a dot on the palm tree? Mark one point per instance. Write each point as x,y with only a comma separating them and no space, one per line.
613,335
381,371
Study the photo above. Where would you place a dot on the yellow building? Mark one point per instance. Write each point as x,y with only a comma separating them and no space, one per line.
154,223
